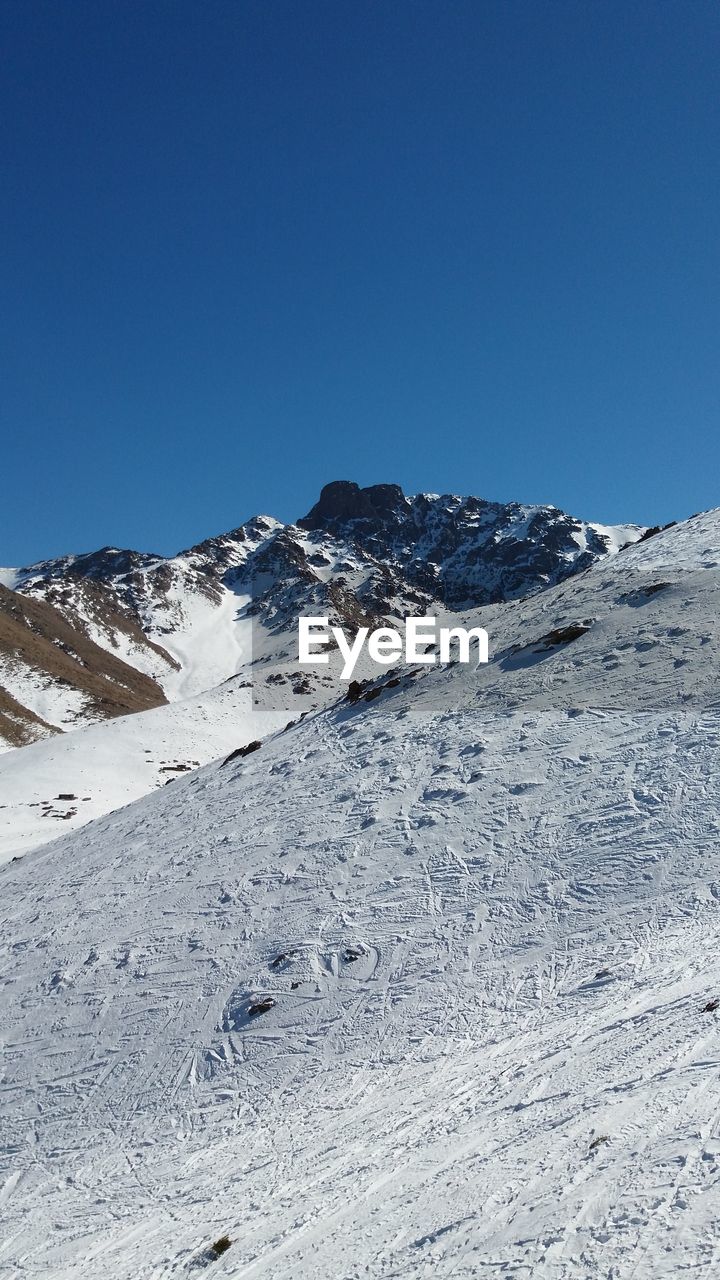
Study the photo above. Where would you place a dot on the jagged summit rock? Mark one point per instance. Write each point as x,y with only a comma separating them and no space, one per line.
464,551
344,500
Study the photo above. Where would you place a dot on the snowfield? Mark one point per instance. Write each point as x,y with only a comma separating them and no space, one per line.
424,987
106,766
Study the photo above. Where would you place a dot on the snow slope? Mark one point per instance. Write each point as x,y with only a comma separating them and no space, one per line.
485,907
57,705
106,766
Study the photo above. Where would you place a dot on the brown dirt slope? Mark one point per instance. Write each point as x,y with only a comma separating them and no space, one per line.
19,726
36,637
81,600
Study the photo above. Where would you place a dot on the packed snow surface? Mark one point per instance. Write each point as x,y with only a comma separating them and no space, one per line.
105,766
424,987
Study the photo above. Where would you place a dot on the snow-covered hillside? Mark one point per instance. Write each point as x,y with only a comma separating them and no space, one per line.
60,784
425,986
64,782
198,627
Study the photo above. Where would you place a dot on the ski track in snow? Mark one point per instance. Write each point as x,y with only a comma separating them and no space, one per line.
485,906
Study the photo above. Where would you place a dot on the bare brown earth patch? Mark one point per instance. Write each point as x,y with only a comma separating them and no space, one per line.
34,636
83,600
19,726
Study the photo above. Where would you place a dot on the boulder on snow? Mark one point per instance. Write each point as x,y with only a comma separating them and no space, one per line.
242,751
260,1006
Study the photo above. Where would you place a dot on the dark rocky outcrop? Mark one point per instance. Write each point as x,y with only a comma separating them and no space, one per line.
343,500
240,752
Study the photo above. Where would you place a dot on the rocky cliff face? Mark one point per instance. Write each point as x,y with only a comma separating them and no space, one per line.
379,506
465,551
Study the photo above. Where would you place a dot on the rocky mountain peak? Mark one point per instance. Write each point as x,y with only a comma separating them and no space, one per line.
366,551
344,500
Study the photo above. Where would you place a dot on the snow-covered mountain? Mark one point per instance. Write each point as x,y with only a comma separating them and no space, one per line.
191,621
424,986
214,630
463,551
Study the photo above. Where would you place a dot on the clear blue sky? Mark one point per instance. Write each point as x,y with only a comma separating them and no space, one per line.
249,246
